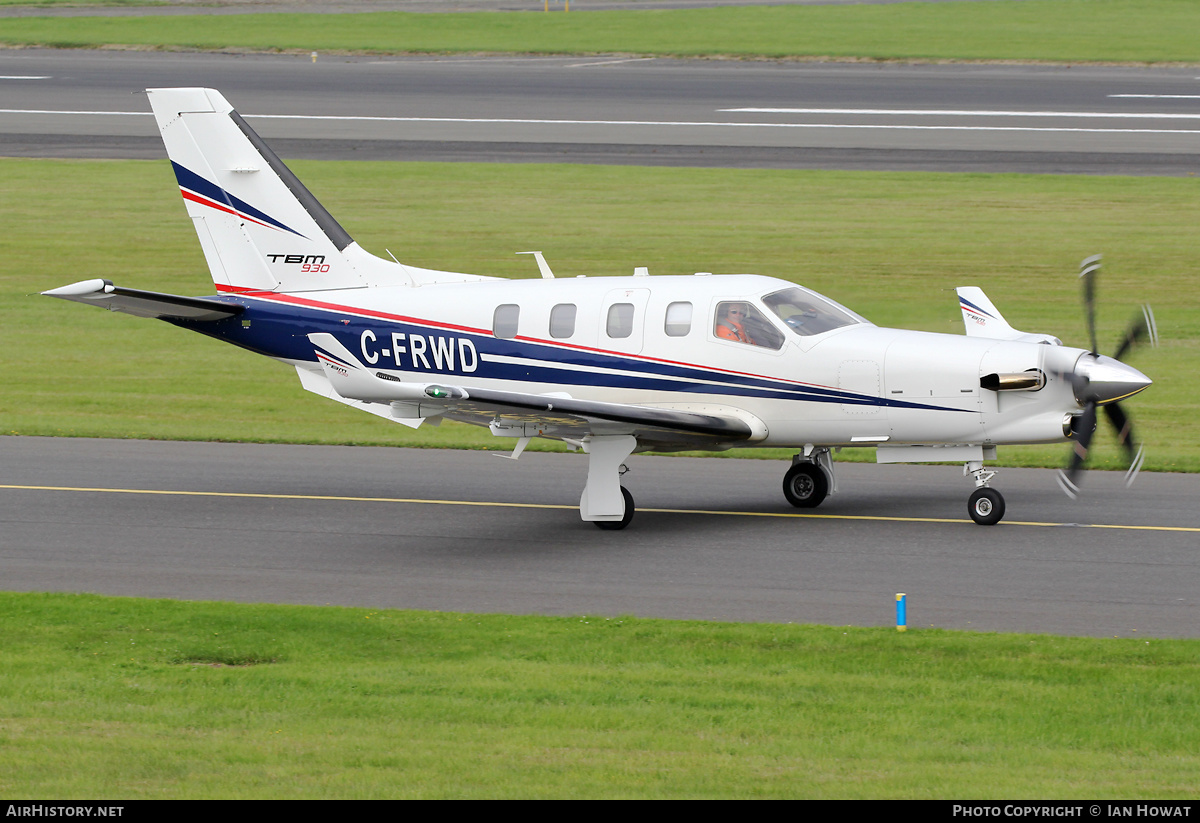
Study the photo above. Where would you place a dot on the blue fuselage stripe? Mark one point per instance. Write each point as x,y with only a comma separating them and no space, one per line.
280,331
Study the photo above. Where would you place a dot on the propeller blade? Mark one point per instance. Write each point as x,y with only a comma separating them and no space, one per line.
1099,380
1142,326
1135,466
1087,272
1079,451
1135,453
1124,429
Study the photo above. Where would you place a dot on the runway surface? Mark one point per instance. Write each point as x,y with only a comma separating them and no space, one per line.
713,539
1065,119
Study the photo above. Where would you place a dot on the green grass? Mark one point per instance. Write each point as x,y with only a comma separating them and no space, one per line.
120,698
890,245
82,3
1028,30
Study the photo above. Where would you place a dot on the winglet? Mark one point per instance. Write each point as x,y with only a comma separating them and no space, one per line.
982,319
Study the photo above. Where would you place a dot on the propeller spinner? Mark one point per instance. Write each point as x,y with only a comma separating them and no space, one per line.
1097,380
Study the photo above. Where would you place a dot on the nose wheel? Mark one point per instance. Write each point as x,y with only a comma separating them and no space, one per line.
986,506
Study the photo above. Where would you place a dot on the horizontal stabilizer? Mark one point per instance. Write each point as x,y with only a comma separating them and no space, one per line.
146,303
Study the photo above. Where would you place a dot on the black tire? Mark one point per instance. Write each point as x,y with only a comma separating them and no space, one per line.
986,506
617,525
805,485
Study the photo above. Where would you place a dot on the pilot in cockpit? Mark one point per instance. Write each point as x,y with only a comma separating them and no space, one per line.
731,323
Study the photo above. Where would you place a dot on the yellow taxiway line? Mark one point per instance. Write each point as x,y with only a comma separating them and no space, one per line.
343,499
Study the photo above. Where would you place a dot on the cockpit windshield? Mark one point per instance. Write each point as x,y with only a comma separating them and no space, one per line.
807,313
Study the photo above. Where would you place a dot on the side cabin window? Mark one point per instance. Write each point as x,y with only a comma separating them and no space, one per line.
620,320
741,322
504,321
679,320
562,320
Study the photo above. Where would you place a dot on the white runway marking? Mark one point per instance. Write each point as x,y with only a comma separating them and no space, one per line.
607,62
85,113
1104,115
678,123
1160,96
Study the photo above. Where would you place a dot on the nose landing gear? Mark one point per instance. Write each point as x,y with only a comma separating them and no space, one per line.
985,505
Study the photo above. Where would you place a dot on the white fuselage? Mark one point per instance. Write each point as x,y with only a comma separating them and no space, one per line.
857,384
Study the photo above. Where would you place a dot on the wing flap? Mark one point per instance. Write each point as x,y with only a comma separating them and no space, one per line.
613,418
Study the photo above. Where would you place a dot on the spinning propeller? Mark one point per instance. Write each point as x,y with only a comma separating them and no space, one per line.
1103,381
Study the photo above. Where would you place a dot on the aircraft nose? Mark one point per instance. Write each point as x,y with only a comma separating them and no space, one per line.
1103,380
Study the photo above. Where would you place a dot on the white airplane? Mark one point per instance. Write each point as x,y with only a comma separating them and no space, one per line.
609,365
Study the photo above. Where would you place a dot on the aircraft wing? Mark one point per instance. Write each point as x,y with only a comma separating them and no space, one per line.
522,414
145,303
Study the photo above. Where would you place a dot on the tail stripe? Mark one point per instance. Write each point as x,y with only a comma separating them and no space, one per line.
208,193
971,307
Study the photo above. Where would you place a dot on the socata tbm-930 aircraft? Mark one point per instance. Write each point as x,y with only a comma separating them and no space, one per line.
611,365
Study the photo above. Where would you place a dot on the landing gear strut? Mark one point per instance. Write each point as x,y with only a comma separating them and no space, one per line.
985,505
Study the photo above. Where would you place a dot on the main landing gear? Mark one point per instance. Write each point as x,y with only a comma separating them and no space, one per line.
810,479
985,505
617,525
605,501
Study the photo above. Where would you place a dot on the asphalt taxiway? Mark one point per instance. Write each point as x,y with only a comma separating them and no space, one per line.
625,110
713,539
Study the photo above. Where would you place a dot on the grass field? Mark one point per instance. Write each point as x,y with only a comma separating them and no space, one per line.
889,245
82,3
120,698
1028,30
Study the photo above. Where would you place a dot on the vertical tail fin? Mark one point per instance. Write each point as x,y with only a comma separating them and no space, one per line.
260,228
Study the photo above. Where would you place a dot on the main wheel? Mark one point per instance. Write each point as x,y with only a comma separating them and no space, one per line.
805,485
617,525
986,506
